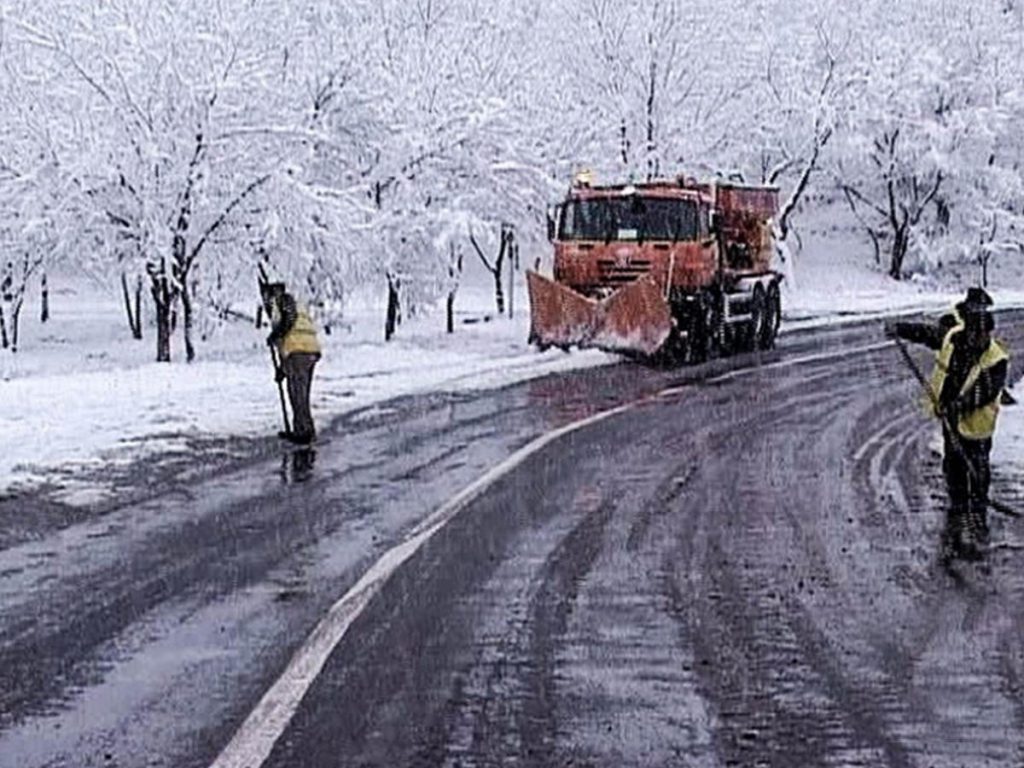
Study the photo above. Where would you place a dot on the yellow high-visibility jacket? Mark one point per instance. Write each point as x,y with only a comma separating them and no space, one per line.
302,335
980,423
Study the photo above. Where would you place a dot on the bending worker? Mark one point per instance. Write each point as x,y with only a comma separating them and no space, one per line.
966,388
294,336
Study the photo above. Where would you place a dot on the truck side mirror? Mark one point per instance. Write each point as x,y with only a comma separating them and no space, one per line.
552,221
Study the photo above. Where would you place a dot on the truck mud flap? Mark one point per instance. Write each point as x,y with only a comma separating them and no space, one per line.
634,319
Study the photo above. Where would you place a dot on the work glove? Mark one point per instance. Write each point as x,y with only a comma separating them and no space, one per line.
271,340
279,375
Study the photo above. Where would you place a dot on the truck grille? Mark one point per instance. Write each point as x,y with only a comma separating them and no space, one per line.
615,273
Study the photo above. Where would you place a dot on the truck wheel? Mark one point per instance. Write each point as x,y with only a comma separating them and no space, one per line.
700,327
755,331
719,336
773,317
723,336
673,352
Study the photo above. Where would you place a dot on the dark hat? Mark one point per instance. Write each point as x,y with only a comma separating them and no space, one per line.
976,300
275,287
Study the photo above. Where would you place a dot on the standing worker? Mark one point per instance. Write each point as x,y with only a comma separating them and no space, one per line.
965,393
294,336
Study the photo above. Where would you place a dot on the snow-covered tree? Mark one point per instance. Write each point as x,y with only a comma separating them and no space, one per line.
365,143
446,73
186,111
644,84
981,213
923,121
797,100
36,196
902,126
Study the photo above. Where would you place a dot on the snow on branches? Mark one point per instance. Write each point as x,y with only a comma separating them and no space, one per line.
363,144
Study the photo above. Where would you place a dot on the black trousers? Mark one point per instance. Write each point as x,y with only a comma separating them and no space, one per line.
965,463
298,369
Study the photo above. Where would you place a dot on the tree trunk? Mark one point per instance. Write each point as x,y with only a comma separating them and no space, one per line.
455,275
15,319
499,293
138,308
44,312
186,319
898,253
652,81
127,303
134,318
163,333
624,143
513,265
393,310
161,291
499,263
496,268
877,246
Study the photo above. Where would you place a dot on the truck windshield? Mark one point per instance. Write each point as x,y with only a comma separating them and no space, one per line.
629,218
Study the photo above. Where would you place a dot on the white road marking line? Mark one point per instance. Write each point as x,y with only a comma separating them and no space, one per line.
252,743
254,740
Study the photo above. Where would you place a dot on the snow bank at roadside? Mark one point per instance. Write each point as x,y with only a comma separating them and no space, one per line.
94,400
82,392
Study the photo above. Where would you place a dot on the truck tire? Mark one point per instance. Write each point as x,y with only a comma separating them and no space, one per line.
723,335
701,330
754,331
673,352
773,317
721,338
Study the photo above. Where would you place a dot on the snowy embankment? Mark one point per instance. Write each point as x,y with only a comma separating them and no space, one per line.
82,394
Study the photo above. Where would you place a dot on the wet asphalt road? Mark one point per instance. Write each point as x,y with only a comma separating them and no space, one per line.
738,572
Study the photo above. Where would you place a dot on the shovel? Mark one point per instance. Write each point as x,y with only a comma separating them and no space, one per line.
262,280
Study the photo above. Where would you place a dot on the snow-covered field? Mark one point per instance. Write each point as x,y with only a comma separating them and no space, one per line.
82,393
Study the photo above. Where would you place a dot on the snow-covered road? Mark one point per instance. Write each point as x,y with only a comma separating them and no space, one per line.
148,633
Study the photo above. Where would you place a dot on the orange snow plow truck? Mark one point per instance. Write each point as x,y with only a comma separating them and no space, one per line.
679,269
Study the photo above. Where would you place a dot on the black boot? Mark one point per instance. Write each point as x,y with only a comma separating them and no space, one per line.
303,438
971,551
975,534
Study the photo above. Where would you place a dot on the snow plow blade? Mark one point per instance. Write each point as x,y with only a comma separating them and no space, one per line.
636,318
559,317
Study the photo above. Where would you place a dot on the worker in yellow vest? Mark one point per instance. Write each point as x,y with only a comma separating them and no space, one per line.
967,383
294,336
